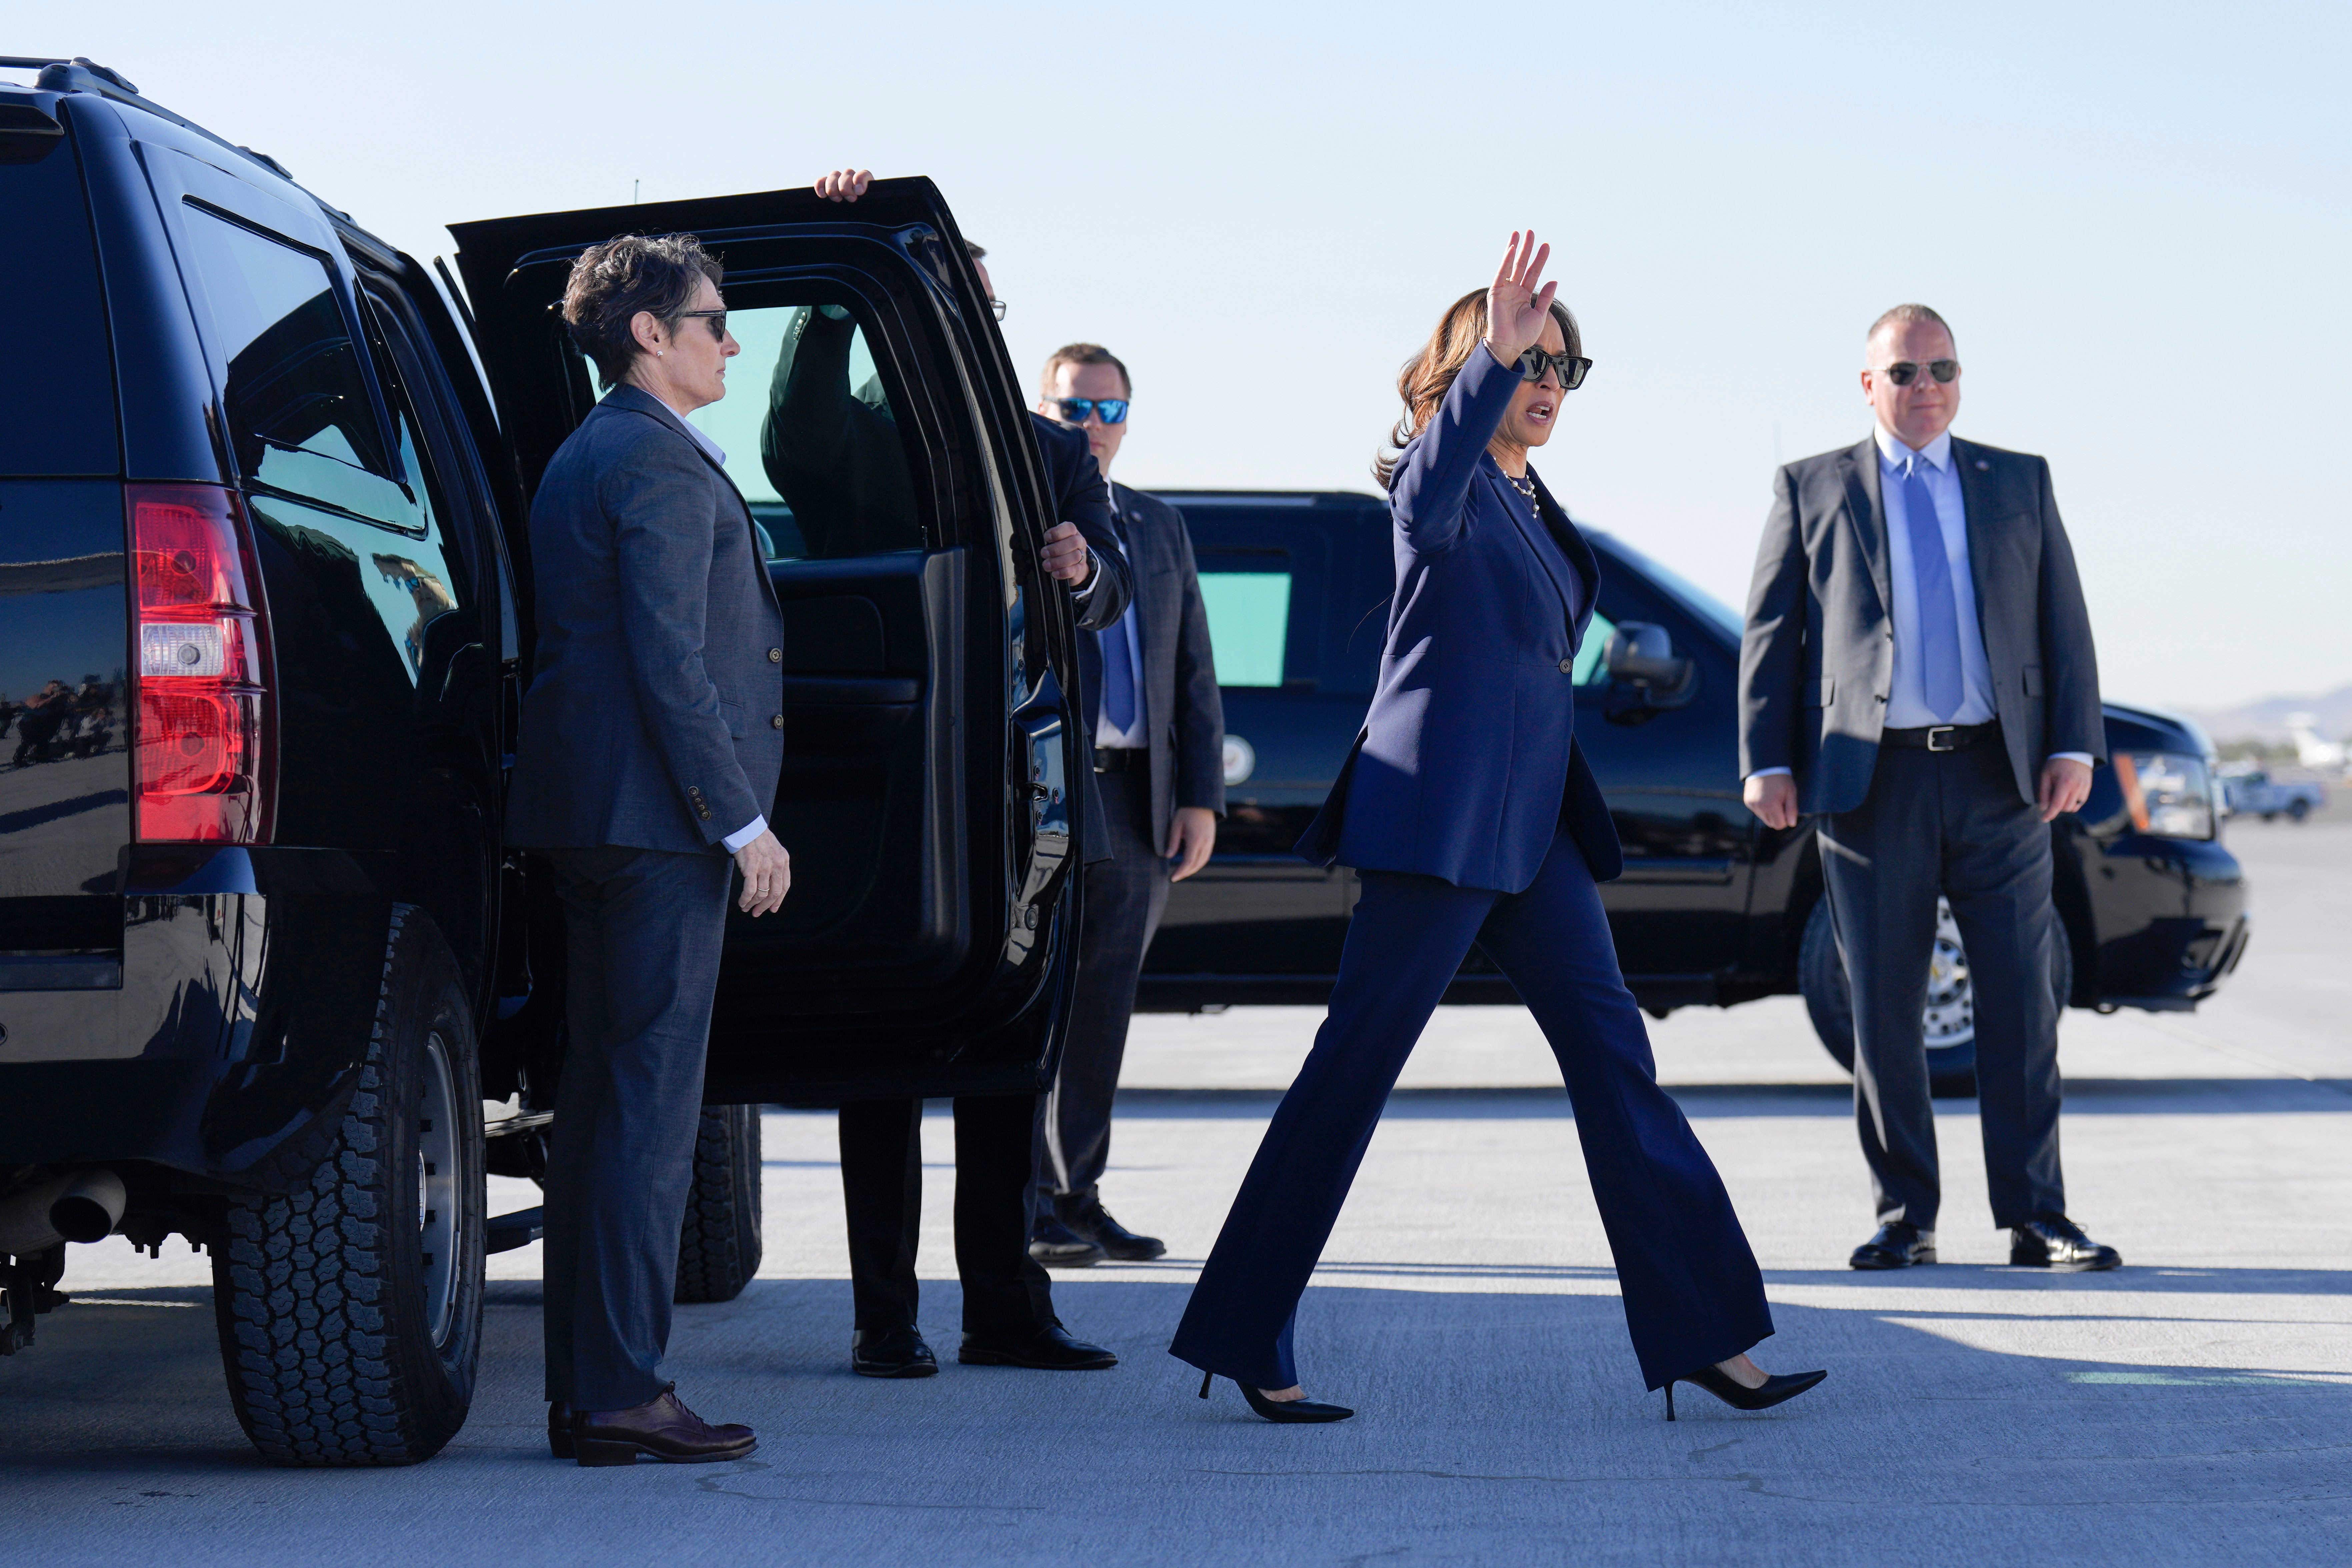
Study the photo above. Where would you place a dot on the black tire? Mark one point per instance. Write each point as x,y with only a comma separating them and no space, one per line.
351,1307
2299,809
1820,977
719,1246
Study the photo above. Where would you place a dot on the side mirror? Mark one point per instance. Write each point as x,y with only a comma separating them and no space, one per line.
1641,656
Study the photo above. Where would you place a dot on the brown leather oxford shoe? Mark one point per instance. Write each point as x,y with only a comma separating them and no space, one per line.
662,1427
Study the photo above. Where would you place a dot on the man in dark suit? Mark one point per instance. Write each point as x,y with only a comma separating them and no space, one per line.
1918,675
1008,1308
651,739
1149,687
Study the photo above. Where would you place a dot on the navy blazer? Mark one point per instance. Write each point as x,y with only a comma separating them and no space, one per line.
1467,764
654,716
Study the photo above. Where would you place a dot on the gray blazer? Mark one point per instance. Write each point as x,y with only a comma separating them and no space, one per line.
1180,671
654,715
1818,660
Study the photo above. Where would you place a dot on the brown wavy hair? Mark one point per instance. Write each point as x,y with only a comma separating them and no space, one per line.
1429,375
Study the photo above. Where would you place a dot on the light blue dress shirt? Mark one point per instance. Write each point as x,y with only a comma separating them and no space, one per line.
1124,638
1906,700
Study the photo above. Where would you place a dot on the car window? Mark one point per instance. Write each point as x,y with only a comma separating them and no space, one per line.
405,571
811,438
300,416
1592,666
1248,605
49,296
1689,596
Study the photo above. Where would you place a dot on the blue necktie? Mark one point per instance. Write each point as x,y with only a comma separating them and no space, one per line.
1939,615
1119,677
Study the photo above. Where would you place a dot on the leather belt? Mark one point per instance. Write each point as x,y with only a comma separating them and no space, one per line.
1938,736
1119,759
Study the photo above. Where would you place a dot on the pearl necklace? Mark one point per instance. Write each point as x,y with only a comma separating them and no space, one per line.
1526,487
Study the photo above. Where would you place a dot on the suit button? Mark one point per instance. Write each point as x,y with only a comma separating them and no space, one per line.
777,722
1568,666
775,655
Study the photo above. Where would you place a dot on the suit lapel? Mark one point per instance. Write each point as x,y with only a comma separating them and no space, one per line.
1569,544
1975,506
646,403
1866,507
1537,538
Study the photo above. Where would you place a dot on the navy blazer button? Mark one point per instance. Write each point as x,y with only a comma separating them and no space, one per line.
1568,666
777,722
775,655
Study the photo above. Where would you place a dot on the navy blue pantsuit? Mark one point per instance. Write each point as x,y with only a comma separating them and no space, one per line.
1693,1295
1468,810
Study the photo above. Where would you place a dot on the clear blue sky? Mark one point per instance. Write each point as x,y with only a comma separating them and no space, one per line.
2134,217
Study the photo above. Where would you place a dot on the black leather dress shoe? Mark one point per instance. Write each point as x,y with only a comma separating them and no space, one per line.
1050,1349
1090,1220
1057,1246
1898,1245
891,1353
559,1429
2054,1241
661,1428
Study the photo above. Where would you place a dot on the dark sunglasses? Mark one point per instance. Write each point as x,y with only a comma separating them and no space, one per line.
1571,369
1075,409
1904,372
718,320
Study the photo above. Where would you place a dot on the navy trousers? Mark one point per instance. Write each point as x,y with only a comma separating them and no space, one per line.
1693,1295
644,929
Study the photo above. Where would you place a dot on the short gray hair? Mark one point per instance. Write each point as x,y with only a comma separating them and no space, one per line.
613,281
1910,315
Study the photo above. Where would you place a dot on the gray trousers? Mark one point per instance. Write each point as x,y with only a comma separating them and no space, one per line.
1126,896
1949,823
644,929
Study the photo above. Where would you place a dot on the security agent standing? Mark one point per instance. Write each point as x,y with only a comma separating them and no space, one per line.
1918,674
1150,684
1008,1310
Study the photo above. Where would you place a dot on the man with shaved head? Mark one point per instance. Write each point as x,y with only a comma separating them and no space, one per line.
1918,677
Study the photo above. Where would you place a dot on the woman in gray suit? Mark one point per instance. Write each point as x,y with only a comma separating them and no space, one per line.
652,739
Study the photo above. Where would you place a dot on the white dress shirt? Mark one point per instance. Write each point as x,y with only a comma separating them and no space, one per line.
1906,700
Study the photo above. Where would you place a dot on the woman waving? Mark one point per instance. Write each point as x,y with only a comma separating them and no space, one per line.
1471,817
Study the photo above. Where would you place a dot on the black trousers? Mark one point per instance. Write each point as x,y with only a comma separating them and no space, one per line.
1692,1291
642,930
1126,896
1005,1291
1949,823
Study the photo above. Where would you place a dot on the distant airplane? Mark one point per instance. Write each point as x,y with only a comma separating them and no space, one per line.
2309,749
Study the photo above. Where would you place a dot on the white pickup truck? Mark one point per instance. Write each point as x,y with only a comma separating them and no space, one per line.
2256,794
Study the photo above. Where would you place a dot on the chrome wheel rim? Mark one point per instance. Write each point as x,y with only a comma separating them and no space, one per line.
1951,1018
438,1191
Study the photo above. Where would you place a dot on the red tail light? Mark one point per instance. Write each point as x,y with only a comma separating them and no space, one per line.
202,748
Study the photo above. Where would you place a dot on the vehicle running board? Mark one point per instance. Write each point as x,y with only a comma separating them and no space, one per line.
507,1231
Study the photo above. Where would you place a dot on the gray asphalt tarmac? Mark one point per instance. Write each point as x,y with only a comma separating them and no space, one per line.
2195,1407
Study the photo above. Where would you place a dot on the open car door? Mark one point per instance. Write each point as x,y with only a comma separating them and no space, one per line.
875,424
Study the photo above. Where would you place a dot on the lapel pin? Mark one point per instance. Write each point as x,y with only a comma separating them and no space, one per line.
1983,467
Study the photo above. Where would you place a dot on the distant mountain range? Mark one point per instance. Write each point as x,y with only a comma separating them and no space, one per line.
2266,721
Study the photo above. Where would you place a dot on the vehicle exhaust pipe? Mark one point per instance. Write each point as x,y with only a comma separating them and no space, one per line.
79,1206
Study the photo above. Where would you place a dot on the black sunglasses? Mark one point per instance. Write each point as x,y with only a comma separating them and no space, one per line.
718,320
1903,372
1572,369
1075,409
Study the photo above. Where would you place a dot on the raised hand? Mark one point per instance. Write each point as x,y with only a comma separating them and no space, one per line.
844,185
1516,307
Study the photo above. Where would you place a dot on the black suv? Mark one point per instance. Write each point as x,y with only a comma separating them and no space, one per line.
267,980
1713,908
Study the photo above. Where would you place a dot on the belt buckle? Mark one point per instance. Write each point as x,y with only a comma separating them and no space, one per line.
1947,731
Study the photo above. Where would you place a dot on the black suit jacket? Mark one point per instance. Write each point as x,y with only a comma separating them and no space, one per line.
1180,700
1817,664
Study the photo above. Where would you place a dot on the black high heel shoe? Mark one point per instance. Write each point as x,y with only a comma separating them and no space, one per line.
1716,1381
1279,1410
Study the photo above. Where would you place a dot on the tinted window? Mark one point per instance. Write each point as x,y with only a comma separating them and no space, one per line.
298,412
60,418
1249,622
810,435
1590,667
